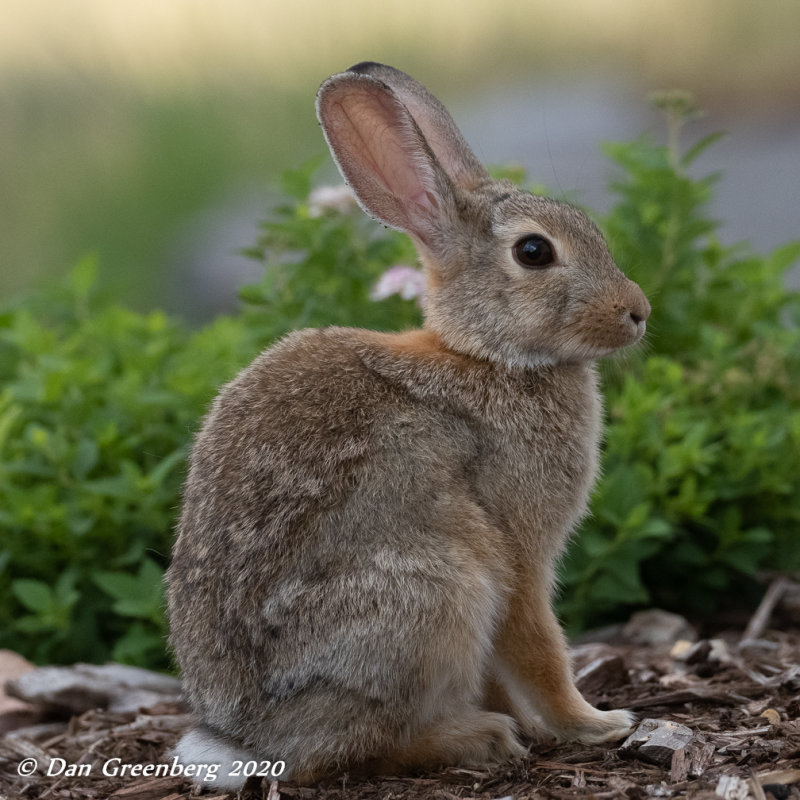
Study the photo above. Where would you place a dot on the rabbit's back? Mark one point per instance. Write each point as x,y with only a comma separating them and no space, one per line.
331,430
318,487
303,433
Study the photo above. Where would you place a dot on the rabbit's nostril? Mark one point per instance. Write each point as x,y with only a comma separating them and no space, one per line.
637,318
636,304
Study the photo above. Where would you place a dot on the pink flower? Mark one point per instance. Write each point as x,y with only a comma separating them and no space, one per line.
408,282
331,198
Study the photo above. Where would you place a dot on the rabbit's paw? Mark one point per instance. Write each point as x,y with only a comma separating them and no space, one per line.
601,726
500,737
211,758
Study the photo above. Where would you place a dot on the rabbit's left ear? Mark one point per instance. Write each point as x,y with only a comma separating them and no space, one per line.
384,156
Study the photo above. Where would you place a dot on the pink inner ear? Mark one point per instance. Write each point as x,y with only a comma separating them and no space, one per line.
383,156
378,143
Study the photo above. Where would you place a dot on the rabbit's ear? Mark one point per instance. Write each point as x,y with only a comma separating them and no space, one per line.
383,155
435,122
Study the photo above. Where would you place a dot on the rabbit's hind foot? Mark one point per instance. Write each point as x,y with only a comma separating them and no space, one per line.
473,738
210,760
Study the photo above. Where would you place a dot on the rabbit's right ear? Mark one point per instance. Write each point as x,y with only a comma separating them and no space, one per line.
384,156
434,120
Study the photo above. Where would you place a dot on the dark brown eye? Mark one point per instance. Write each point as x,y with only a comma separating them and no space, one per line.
534,252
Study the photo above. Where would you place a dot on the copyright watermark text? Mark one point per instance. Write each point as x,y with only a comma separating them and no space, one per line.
117,768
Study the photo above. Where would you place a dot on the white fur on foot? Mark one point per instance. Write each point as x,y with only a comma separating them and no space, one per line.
607,726
211,760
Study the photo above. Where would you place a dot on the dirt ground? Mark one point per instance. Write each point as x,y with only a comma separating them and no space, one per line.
729,722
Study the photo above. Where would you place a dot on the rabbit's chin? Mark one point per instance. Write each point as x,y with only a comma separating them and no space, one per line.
515,355
539,359
588,352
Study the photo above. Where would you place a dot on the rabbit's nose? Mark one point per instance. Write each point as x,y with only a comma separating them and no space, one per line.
638,304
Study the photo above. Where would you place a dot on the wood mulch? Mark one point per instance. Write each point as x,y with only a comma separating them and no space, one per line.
726,714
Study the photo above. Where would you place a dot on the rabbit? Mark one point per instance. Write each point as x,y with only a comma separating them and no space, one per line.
371,522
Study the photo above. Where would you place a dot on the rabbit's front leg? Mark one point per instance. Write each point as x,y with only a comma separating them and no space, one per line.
533,668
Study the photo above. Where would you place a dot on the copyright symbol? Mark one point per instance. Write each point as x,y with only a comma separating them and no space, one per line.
27,766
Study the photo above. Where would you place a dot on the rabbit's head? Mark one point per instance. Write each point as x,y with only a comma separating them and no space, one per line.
511,276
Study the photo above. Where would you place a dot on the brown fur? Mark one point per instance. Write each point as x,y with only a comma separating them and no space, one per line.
371,522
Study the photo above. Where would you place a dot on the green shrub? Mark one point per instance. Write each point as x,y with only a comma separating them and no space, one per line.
702,462
96,411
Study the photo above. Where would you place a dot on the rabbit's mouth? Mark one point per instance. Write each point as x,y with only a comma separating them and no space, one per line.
637,327
629,330
593,337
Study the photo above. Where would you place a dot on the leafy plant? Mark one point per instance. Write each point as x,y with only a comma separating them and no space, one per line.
96,413
702,463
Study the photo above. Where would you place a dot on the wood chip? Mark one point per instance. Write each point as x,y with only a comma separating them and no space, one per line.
682,696
780,777
154,789
679,766
732,787
702,758
14,713
579,779
680,649
604,672
656,740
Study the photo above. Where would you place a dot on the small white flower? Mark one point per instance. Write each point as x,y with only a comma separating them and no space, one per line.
330,198
408,282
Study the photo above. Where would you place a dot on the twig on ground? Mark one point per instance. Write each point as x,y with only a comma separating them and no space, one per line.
759,621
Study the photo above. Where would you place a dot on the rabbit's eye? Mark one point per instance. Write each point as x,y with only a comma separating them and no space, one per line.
534,252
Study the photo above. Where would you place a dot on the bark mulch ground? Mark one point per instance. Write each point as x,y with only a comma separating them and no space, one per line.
726,723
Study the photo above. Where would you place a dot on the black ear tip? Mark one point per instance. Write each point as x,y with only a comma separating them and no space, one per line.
364,67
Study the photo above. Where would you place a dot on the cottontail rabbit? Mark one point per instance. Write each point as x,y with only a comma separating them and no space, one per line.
371,521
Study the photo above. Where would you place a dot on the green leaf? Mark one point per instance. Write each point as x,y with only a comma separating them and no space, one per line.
139,595
34,595
656,528
65,593
251,293
87,454
33,624
9,414
139,645
781,258
623,489
158,474
619,584
297,182
701,146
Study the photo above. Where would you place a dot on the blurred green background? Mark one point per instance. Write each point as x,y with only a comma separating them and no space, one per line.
124,122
